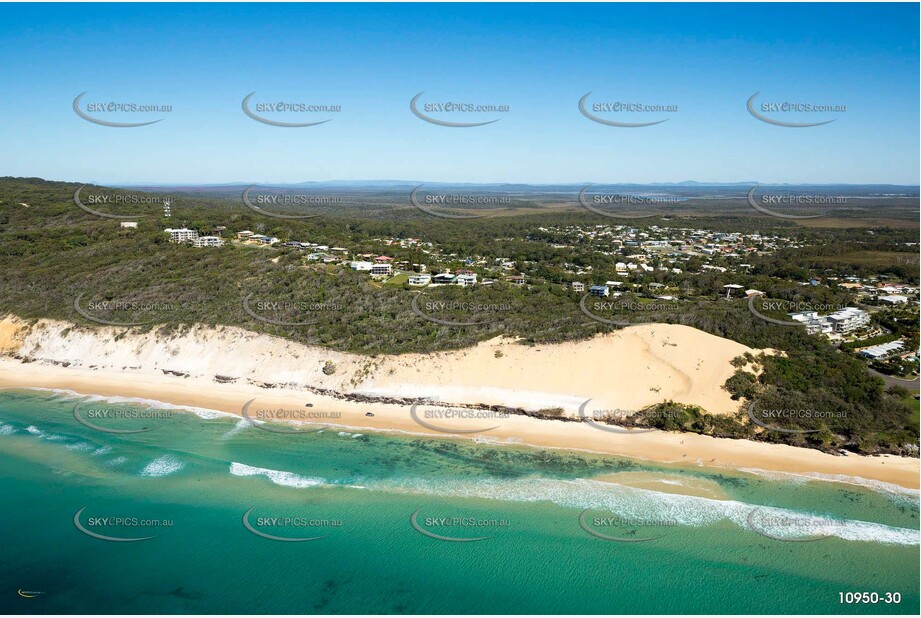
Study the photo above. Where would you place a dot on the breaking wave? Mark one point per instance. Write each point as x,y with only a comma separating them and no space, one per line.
625,502
279,477
162,466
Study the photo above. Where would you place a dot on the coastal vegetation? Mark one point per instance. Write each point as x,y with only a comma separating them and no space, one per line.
58,261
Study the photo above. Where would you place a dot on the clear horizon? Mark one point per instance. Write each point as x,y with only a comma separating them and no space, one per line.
370,61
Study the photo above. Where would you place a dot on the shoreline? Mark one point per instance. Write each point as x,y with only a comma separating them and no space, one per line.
656,446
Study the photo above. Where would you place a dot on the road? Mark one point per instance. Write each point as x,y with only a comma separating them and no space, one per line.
911,385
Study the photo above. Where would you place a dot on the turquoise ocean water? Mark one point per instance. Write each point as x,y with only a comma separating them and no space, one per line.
746,543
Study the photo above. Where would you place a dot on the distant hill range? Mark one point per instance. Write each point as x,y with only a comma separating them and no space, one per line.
687,188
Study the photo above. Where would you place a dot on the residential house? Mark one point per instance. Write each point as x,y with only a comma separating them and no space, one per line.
465,280
382,270
443,279
420,279
600,290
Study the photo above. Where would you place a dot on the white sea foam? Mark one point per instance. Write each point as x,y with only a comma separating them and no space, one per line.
346,434
103,450
279,477
69,395
7,430
806,477
44,435
634,503
117,461
205,413
240,426
162,466
627,503
65,394
80,446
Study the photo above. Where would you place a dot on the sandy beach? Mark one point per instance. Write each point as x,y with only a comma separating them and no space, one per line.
223,369
654,445
625,371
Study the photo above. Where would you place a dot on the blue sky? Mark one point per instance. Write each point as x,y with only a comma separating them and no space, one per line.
537,59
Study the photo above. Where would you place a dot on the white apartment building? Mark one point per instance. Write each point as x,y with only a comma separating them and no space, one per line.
844,321
208,241
578,286
465,280
848,319
181,234
813,322
420,279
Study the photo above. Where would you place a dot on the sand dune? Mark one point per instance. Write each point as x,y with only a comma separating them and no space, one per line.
627,370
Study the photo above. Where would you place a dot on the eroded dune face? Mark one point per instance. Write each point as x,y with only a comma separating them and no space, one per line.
12,332
622,372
